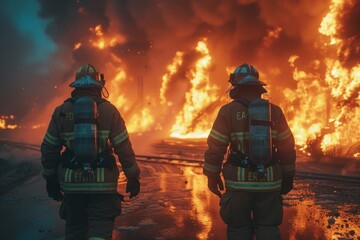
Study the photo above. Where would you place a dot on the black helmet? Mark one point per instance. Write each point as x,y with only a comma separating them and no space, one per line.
245,74
88,76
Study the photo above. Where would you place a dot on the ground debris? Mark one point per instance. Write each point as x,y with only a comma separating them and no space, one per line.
127,228
331,221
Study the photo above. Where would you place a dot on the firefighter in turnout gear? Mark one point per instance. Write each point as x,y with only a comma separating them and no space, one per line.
78,159
259,165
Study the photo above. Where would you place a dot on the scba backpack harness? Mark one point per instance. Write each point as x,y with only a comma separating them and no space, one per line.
83,169
85,153
260,140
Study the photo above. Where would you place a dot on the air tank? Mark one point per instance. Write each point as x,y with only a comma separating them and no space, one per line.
85,130
260,141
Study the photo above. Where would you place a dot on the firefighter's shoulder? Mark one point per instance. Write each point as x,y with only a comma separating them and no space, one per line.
232,106
109,108
276,109
106,105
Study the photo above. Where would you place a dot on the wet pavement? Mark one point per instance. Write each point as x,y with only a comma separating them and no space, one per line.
177,205
174,203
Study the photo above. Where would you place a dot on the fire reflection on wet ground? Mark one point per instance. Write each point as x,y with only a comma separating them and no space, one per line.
179,206
322,210
175,204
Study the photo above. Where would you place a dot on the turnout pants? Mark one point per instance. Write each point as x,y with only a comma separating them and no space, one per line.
252,213
90,216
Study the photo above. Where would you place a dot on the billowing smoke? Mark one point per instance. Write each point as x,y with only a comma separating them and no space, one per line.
141,39
155,30
349,32
27,83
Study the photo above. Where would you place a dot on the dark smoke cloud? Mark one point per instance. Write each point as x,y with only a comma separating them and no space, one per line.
70,20
155,29
24,85
160,28
14,48
349,32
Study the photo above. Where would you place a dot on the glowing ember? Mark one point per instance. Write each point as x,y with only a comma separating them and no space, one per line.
97,30
272,36
102,41
4,124
77,45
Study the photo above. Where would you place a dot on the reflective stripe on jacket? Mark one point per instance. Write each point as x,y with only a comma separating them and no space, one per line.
100,180
111,129
231,127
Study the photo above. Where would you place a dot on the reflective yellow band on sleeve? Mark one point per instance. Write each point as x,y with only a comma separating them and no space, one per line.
49,171
239,185
218,136
67,135
288,168
51,139
283,135
120,138
212,168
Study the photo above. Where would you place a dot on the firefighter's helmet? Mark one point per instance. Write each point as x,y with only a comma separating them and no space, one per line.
88,76
245,74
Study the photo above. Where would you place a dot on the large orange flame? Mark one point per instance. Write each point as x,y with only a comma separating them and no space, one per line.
327,109
322,108
172,68
200,95
307,105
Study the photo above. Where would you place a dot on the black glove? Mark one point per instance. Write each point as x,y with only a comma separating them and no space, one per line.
53,189
133,187
286,185
214,184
